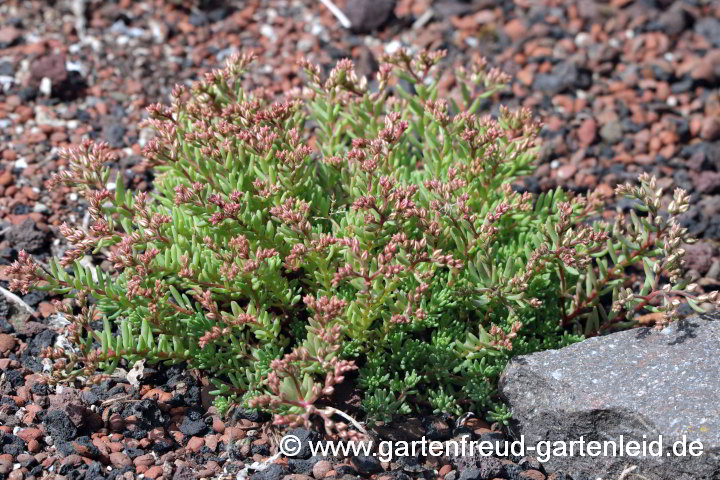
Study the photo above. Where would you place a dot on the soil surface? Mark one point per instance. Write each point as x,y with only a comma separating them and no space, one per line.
622,87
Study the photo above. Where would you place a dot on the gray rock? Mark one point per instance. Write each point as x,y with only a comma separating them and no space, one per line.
707,182
366,465
114,134
699,256
564,76
710,29
611,132
471,474
639,384
192,428
305,437
369,15
273,472
27,237
675,20
59,425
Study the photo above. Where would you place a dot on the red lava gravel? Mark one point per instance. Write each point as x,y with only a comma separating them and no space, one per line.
622,87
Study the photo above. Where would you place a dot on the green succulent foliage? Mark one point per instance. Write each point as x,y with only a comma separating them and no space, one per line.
401,210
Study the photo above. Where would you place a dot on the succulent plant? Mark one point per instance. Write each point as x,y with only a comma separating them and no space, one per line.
349,227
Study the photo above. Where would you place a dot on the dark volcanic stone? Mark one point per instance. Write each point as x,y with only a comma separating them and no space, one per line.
34,298
65,448
512,471
134,452
273,472
184,472
95,471
39,389
564,76
118,473
460,461
28,94
192,428
15,378
451,8
12,445
345,470
114,134
90,397
199,19
162,445
148,413
302,466
472,474
675,20
304,436
250,414
84,447
263,449
367,465
437,428
490,467
59,425
26,237
41,341
709,28
368,15
6,69
218,14
634,390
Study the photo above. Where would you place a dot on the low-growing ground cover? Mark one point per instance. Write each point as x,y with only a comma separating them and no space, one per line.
396,246
616,98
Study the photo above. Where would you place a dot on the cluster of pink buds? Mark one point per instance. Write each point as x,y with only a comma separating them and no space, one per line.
259,138
293,213
447,260
25,272
438,109
228,209
343,77
206,300
265,189
213,334
81,243
192,194
394,128
417,66
86,168
326,308
502,339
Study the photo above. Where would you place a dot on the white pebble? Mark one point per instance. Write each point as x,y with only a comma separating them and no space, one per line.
317,29
583,39
45,86
268,31
40,208
392,47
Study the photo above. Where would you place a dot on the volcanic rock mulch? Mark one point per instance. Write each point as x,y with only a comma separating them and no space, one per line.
622,87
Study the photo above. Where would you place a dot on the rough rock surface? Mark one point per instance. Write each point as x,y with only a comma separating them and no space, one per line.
634,383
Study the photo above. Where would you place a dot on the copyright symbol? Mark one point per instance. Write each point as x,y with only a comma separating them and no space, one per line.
290,445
